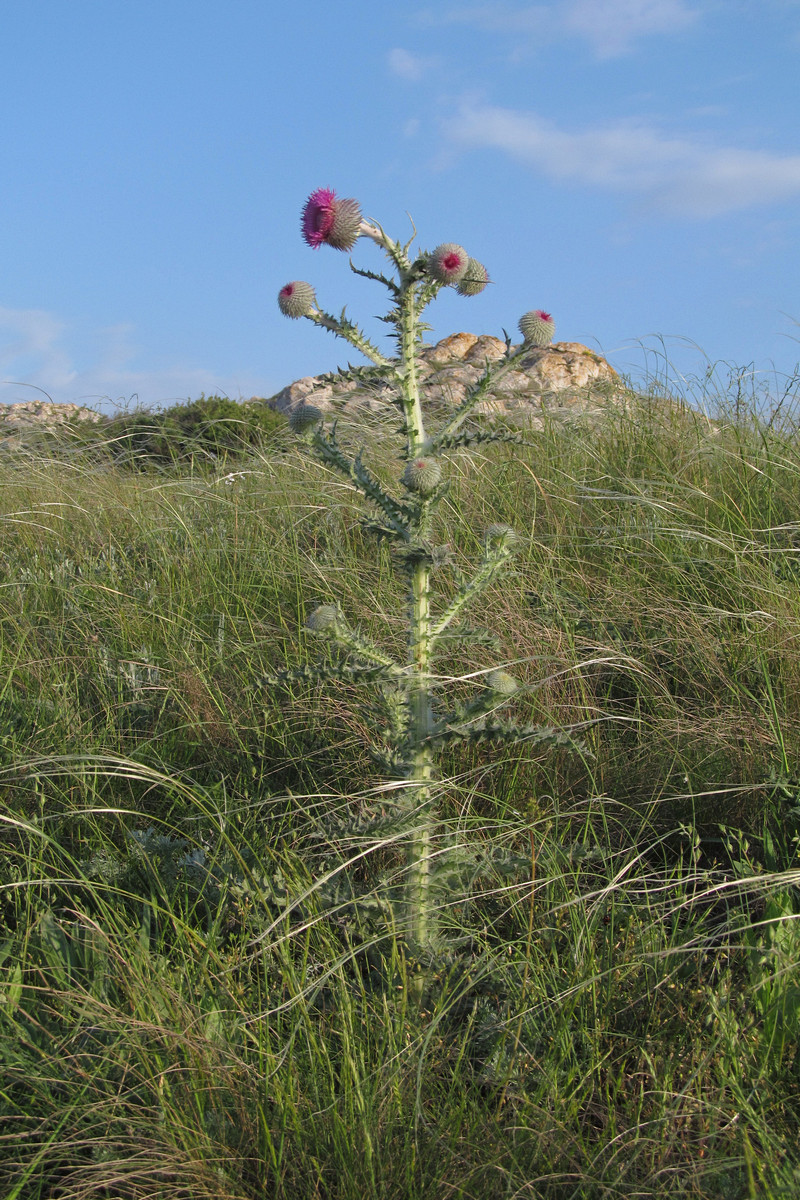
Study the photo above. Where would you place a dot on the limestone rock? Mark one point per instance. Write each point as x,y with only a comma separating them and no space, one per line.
567,365
44,414
466,347
564,379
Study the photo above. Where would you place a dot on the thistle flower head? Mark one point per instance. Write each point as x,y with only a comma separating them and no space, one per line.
324,619
422,475
537,327
329,219
448,263
304,417
296,299
501,536
474,279
502,683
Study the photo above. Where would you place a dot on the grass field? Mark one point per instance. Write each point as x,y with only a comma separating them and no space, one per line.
202,994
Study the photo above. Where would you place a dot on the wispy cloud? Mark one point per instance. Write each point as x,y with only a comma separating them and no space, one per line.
611,27
40,358
495,18
676,175
408,66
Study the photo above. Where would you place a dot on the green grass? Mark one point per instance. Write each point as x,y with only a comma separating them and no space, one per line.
201,994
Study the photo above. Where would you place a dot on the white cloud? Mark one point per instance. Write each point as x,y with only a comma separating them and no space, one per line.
496,18
609,26
29,340
408,66
612,26
40,358
676,175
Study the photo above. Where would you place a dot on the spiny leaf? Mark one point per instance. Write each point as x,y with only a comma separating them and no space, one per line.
508,732
391,284
475,437
309,673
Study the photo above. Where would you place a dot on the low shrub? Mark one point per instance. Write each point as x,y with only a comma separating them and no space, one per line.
210,429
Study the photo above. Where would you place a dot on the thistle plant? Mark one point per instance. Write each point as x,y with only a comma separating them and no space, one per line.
417,720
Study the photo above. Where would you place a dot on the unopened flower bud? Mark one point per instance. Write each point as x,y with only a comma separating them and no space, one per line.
296,299
537,327
474,279
324,619
304,417
502,682
501,535
448,263
422,475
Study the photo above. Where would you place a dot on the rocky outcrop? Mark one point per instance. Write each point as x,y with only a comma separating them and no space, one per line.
559,380
43,414
562,380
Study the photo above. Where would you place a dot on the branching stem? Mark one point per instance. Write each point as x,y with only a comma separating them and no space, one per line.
414,734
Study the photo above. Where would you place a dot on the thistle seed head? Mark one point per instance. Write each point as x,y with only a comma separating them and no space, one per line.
537,327
474,279
296,299
448,263
422,475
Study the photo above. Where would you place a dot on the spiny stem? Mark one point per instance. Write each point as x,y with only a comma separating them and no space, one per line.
418,888
420,919
351,333
492,375
407,372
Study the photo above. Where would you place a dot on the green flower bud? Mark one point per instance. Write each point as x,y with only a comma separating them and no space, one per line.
474,279
501,535
324,619
304,417
448,263
502,683
422,475
537,327
296,299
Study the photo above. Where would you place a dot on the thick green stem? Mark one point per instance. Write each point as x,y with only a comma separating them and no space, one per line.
412,408
420,915
408,522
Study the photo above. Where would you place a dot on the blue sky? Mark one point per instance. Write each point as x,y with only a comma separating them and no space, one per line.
632,166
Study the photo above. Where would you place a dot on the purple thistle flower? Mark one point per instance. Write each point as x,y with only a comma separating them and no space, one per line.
329,220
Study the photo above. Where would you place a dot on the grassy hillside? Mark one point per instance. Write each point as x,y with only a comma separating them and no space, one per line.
201,993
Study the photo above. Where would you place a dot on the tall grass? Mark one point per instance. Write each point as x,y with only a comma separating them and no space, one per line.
201,994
